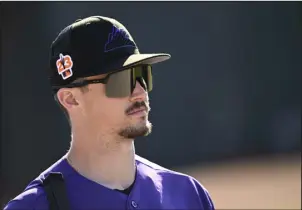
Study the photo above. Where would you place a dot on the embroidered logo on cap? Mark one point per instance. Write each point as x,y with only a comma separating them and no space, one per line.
118,38
64,66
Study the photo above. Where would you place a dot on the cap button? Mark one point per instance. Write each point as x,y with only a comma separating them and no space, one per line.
78,20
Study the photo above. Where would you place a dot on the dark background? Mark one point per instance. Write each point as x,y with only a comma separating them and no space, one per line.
231,89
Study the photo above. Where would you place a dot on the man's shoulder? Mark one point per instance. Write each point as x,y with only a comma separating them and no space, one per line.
188,184
34,197
31,198
165,172
160,169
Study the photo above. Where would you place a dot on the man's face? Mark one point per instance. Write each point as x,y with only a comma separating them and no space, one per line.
127,117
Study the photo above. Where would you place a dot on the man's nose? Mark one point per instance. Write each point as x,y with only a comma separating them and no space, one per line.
139,93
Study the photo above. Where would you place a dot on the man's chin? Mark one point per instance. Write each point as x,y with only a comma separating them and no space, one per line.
138,130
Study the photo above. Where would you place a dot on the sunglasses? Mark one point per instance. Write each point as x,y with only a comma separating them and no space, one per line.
122,83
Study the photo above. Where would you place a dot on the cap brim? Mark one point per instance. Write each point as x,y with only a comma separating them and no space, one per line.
139,59
133,60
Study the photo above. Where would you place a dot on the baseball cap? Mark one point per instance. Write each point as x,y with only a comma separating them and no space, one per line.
92,46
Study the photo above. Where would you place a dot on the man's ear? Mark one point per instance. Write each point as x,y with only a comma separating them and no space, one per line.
67,98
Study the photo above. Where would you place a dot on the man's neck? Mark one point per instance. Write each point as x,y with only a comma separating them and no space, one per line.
109,162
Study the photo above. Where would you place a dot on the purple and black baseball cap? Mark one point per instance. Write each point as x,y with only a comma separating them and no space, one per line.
92,46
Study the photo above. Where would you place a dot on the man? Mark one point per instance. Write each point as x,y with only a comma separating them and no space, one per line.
101,81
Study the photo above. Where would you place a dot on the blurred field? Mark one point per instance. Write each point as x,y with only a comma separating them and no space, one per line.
259,183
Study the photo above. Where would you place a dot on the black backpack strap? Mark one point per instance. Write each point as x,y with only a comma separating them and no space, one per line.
54,187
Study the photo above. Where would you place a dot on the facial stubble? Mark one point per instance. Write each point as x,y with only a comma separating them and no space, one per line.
133,131
142,128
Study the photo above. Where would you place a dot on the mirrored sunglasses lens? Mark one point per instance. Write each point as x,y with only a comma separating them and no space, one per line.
144,76
119,84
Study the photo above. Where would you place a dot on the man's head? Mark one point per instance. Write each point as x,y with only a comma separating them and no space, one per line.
100,79
126,116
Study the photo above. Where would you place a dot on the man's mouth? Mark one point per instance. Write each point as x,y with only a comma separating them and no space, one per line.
137,110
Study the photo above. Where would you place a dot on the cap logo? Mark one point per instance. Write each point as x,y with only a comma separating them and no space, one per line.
64,66
118,38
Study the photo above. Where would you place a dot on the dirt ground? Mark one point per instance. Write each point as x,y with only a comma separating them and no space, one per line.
259,183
